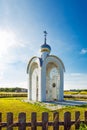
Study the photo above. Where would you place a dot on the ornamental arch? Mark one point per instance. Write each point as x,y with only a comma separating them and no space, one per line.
53,69
52,81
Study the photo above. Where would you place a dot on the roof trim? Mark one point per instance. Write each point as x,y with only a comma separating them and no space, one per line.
40,62
59,60
30,62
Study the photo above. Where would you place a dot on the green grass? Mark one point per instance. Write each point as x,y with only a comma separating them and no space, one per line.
12,94
17,105
76,95
70,92
82,92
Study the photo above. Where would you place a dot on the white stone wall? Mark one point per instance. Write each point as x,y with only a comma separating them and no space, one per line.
44,82
34,71
57,62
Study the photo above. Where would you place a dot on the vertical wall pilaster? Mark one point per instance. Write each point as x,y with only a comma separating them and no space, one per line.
39,85
61,85
43,84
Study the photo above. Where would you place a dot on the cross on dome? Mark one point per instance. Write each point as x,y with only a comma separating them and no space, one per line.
45,35
45,48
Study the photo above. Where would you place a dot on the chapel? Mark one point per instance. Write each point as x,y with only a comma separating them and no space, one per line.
45,76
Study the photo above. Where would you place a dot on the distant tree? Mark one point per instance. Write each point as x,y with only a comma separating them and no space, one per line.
16,89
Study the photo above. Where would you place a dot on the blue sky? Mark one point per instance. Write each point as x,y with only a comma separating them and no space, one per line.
22,23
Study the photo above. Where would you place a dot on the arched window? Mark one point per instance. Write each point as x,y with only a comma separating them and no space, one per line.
34,81
52,81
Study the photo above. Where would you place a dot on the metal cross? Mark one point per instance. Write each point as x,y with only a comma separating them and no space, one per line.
45,34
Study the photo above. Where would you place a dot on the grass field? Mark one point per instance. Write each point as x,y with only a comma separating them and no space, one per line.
80,92
12,94
76,95
17,105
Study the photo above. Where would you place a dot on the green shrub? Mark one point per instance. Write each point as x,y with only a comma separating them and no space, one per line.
83,126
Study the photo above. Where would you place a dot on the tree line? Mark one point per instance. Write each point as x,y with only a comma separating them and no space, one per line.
16,89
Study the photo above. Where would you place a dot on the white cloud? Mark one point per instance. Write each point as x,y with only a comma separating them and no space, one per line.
12,54
22,84
7,40
75,81
9,43
83,51
75,74
15,53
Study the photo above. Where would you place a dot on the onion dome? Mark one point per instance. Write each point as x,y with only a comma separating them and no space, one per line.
45,47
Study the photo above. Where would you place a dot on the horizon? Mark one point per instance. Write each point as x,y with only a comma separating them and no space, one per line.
21,34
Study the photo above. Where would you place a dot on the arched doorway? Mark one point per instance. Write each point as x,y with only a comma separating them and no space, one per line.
34,82
52,81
